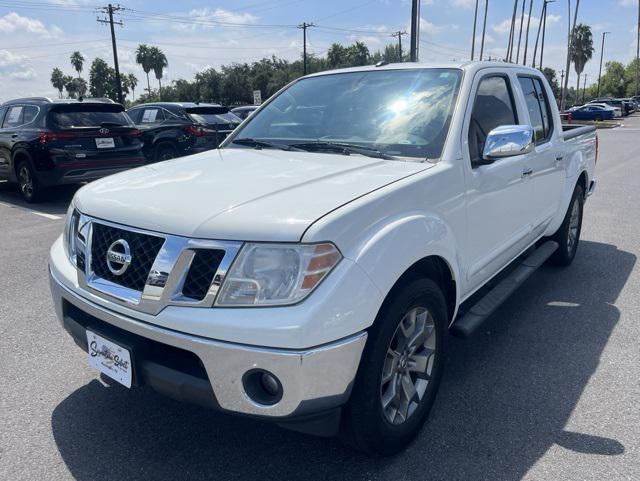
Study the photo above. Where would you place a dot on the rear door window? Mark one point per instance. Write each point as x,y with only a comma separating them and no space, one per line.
152,116
538,107
135,115
14,117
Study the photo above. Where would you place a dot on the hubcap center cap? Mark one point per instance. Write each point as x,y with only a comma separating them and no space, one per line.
403,363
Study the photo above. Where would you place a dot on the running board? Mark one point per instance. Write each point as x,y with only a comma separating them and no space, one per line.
481,310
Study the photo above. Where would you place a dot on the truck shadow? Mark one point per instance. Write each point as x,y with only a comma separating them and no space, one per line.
507,395
56,203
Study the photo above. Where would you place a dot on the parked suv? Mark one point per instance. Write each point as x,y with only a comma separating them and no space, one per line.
174,129
45,143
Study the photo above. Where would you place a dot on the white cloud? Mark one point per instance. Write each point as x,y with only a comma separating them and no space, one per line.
464,3
27,74
206,18
13,22
628,3
9,59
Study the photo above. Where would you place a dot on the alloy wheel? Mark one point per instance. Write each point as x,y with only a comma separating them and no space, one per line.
26,181
408,365
574,225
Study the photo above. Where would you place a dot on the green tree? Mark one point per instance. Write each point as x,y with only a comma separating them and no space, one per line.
582,49
613,81
208,85
336,55
70,86
77,62
158,64
133,83
552,78
102,80
357,54
144,59
57,80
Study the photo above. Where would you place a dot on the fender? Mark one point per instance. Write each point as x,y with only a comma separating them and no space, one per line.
580,160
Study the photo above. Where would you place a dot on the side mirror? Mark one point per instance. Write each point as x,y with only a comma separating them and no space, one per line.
508,141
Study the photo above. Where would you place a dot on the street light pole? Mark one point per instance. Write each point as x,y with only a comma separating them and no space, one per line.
571,41
415,29
544,31
524,2
473,37
601,56
512,32
526,40
638,54
484,27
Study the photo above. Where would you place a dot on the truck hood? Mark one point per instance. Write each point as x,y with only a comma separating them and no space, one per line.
238,194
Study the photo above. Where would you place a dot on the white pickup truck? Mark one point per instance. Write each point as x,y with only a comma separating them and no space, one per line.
310,271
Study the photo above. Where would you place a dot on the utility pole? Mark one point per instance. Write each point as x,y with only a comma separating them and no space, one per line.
415,29
484,27
604,34
520,34
109,9
304,28
399,34
584,89
473,36
512,32
561,79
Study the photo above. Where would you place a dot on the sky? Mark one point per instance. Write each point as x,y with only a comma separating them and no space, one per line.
38,35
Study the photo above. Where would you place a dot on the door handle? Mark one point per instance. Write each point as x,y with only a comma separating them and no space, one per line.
14,136
527,172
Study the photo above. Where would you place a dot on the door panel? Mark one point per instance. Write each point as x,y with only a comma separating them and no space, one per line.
498,195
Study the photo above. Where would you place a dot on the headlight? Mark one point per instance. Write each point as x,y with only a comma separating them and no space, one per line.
70,233
276,274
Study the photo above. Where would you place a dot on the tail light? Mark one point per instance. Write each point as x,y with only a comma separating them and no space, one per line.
195,131
46,137
132,133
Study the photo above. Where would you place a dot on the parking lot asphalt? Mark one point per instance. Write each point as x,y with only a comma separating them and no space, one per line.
548,390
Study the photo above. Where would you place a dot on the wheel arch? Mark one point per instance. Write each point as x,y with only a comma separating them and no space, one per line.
18,156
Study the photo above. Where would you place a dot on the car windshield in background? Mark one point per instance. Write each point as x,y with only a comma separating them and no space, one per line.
398,112
212,116
87,116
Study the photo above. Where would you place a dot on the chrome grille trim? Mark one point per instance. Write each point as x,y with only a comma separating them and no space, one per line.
164,283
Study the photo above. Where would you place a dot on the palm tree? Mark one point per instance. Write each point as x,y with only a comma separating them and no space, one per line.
58,80
77,61
582,49
143,58
159,63
133,83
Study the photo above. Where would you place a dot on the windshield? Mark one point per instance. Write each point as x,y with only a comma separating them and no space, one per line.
398,112
83,116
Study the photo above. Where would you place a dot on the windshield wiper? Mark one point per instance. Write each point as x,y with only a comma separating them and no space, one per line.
263,143
345,148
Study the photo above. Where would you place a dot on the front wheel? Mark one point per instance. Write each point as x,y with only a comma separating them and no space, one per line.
165,151
399,372
568,235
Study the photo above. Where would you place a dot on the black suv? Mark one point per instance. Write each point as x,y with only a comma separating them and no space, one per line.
174,129
45,143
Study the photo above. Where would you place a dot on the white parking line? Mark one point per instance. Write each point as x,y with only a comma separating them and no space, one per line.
47,216
41,214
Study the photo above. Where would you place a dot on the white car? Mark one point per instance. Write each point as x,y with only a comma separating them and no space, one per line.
310,271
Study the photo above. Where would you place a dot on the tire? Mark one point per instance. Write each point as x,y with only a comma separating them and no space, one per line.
165,151
366,424
30,189
597,118
568,235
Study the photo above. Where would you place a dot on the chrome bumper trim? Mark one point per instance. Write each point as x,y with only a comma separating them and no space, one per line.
313,379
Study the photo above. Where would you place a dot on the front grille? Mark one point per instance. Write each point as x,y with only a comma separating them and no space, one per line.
144,250
200,276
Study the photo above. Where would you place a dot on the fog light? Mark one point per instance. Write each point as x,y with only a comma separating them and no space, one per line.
262,387
269,383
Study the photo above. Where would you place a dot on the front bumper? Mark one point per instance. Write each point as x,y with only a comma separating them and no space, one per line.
313,380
